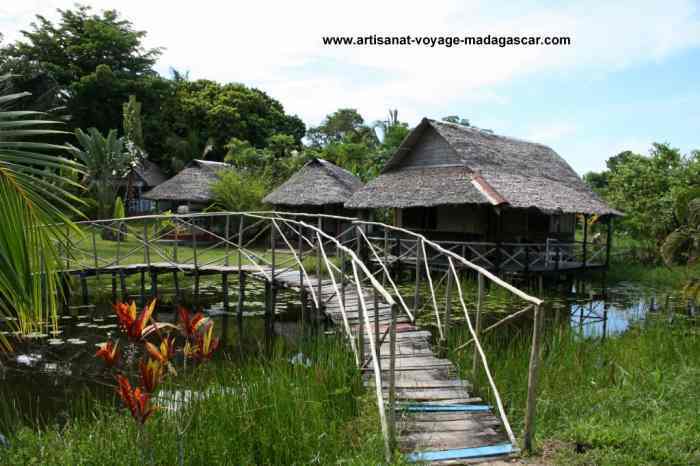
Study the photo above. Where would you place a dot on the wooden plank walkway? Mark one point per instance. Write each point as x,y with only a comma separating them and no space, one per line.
438,420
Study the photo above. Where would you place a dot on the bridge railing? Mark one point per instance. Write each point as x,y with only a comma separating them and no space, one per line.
364,256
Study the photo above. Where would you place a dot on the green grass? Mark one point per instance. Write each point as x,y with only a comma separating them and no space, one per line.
628,400
272,412
652,275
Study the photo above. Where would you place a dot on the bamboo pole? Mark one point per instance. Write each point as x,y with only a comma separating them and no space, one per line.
346,323
318,270
432,292
361,332
416,293
532,380
302,287
316,299
392,378
479,305
448,302
227,235
375,362
487,371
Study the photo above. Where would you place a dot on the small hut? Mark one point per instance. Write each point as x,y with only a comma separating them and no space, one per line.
458,183
191,187
319,187
143,177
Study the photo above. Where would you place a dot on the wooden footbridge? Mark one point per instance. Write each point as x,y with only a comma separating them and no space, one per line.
427,410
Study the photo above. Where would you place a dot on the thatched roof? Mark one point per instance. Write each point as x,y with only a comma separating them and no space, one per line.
318,182
192,184
150,173
480,168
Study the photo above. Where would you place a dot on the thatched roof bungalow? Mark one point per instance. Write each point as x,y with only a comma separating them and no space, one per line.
191,187
319,187
461,183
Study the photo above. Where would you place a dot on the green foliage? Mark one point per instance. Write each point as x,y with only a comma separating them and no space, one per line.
119,208
32,194
627,400
344,125
132,122
105,160
652,191
456,120
239,191
265,412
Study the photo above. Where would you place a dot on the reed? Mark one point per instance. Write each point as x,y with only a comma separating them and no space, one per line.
630,400
312,411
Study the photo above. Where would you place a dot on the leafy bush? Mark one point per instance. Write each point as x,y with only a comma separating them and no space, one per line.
239,191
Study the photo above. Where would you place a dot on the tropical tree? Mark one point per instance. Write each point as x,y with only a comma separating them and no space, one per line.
33,196
106,160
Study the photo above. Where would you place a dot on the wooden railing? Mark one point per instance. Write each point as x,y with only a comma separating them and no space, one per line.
363,258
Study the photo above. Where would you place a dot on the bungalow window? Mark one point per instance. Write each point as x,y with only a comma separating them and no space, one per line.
419,218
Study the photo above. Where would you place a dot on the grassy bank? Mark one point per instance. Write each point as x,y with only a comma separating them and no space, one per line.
653,275
629,400
264,412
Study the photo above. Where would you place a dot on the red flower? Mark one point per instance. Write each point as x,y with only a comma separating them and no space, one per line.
204,346
135,327
136,400
108,352
151,374
189,324
164,352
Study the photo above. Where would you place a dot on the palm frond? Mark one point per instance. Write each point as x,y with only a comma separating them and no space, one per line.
34,194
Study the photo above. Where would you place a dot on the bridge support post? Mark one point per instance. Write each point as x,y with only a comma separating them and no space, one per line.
142,274
302,288
477,323
154,283
224,290
122,284
416,295
392,379
114,286
532,380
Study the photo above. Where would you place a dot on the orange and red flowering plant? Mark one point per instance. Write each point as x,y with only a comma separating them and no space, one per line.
108,352
135,325
190,324
204,345
151,374
137,400
164,352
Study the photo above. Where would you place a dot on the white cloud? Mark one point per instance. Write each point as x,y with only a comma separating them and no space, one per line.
277,45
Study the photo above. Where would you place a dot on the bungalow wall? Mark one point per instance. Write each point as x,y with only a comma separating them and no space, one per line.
484,223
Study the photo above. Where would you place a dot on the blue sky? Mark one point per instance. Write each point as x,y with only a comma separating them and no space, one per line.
629,78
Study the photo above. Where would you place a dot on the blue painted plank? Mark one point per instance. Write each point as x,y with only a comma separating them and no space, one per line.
436,407
463,453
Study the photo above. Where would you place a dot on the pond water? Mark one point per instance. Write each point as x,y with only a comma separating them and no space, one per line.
51,371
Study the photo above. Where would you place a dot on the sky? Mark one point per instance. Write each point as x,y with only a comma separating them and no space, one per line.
629,78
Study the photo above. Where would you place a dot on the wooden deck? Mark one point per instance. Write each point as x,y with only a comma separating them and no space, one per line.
437,417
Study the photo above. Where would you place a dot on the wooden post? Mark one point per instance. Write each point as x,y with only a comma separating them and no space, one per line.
224,290
122,284
154,283
302,287
94,252
84,288
319,297
146,249
143,286
226,235
386,255
527,258
119,241
361,328
177,240
193,233
532,379
241,275
392,378
448,301
477,323
585,240
416,295
608,243
114,285
376,323
397,263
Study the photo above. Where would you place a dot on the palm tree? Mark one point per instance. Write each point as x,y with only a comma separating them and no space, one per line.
34,195
106,160
683,244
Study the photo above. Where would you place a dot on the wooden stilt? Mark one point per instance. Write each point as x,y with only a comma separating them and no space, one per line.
142,274
448,303
154,283
532,380
416,294
224,320
114,286
392,379
122,284
477,322
84,289
302,287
